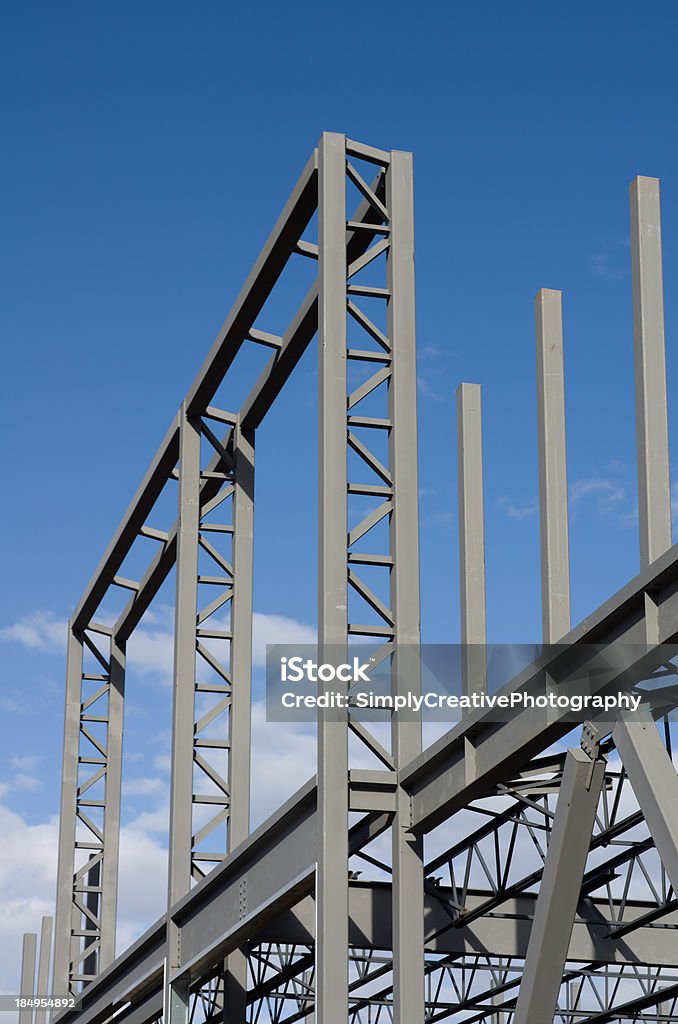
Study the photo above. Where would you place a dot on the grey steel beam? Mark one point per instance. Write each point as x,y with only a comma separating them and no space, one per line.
332,872
271,381
136,977
44,960
654,781
471,538
278,248
108,907
28,952
438,781
654,496
147,493
553,526
407,849
560,887
240,719
183,703
67,816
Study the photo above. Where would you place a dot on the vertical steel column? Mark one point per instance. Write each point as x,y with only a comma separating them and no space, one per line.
90,822
331,948
28,975
654,497
43,965
559,889
63,952
109,868
407,849
655,783
471,538
235,978
555,555
183,709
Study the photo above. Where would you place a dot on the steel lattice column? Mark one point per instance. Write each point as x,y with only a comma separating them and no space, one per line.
212,675
89,832
332,874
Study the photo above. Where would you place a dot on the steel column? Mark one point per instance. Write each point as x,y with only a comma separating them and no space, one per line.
28,975
560,888
555,555
44,959
69,786
471,538
407,849
332,873
240,725
109,866
183,707
654,497
655,783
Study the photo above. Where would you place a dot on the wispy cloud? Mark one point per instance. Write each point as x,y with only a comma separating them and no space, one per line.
426,391
607,493
610,258
40,631
518,509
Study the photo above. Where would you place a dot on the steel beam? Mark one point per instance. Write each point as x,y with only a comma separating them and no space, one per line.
654,494
44,960
113,796
69,788
332,875
183,704
437,780
555,554
654,781
28,953
295,341
407,849
560,888
240,717
471,538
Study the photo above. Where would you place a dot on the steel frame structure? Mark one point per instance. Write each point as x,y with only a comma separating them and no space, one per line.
510,895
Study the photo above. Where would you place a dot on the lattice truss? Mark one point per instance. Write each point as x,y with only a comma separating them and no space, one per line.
398,886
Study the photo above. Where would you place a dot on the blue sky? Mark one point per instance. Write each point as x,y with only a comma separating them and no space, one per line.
147,151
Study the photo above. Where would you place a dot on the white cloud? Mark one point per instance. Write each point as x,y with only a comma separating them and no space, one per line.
609,493
524,509
426,391
39,631
143,786
29,782
27,763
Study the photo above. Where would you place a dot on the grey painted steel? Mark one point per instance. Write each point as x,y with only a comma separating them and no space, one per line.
69,786
332,875
44,960
654,496
111,841
183,706
295,340
553,517
274,255
560,888
407,849
438,781
471,537
28,953
264,888
655,783
240,725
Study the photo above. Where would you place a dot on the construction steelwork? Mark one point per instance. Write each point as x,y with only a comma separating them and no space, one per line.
532,870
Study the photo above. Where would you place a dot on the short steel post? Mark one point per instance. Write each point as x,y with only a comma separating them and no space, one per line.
654,496
555,556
